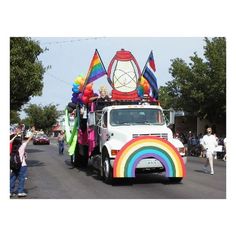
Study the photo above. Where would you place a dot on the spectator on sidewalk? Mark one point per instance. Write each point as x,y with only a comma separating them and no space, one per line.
209,143
224,159
12,138
19,148
61,140
203,152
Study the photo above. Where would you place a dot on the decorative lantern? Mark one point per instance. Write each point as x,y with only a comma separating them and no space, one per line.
124,72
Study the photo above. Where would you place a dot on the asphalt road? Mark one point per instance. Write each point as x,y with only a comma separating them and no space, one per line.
50,176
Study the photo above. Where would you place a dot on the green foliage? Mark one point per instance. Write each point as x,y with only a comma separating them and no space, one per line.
200,86
14,117
42,117
26,71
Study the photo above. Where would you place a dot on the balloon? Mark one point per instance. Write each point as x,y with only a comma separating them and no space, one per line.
78,79
85,99
140,91
86,92
75,90
74,100
146,89
89,86
81,88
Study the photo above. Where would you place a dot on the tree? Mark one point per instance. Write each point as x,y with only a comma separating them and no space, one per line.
200,86
14,117
42,117
26,71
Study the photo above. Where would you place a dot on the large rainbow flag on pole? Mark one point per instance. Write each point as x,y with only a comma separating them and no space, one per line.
96,69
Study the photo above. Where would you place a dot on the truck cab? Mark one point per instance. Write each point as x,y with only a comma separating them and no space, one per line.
119,124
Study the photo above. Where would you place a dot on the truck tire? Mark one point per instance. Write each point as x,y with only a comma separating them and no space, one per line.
82,161
175,180
106,168
83,156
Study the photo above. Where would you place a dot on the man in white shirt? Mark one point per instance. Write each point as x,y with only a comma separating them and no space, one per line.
209,143
224,159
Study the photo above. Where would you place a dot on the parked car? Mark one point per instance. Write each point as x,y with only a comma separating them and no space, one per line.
41,139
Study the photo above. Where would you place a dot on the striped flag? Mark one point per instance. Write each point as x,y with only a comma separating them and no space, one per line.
96,69
148,74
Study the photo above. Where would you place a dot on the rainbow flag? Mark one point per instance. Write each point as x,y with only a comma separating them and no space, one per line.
96,69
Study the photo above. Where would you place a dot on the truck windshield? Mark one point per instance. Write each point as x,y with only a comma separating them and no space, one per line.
134,116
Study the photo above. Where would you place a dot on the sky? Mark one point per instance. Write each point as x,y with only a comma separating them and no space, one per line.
69,57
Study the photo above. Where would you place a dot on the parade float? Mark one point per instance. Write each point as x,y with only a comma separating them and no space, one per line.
128,133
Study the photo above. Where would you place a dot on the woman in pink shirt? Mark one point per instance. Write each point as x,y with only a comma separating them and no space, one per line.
18,146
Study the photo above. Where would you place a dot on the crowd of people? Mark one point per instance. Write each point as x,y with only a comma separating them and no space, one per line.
193,144
204,146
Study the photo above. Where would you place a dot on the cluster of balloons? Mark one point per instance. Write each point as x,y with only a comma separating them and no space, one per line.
143,87
78,88
88,93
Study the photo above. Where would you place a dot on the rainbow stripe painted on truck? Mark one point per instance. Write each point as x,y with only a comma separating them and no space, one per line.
142,147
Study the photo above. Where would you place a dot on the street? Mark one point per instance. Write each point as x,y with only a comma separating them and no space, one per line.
51,176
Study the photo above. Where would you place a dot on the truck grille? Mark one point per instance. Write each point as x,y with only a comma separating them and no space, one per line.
161,135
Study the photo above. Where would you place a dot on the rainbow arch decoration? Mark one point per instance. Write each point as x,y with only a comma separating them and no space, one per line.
142,147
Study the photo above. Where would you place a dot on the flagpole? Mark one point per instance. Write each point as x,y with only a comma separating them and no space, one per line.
146,63
90,67
101,61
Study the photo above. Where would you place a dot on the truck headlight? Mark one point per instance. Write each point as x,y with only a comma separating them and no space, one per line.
114,152
182,150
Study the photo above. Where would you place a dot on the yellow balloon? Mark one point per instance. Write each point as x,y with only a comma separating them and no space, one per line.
142,80
79,79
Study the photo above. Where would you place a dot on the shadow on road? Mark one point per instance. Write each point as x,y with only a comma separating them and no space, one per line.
201,171
89,171
140,178
30,150
34,163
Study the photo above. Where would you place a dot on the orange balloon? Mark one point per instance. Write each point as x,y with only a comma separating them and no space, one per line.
89,86
81,88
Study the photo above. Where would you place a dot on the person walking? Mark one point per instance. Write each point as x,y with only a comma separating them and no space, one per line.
12,138
202,152
18,148
209,143
61,139
224,158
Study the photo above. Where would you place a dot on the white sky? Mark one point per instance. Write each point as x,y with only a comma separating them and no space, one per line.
69,57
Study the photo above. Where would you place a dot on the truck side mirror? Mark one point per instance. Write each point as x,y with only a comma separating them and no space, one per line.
169,116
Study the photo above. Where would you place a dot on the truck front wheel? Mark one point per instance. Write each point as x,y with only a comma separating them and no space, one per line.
107,169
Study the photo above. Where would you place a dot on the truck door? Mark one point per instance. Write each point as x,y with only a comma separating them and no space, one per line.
103,130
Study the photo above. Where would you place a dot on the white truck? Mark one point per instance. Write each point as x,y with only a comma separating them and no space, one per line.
128,133
116,125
